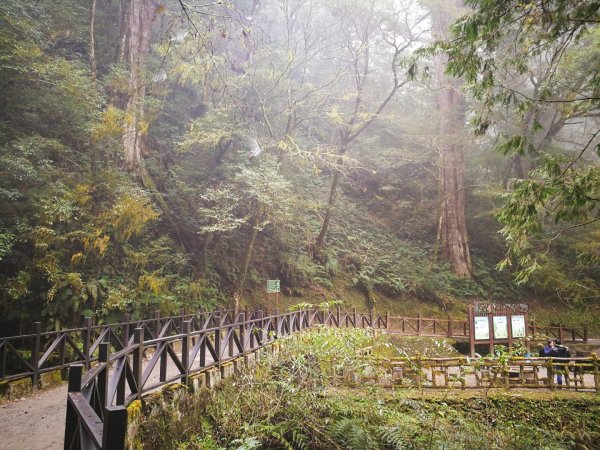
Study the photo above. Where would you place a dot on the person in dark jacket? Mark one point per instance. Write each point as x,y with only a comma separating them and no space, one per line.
546,350
554,349
560,351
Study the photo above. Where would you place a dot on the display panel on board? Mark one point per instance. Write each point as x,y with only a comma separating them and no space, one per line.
481,327
518,326
500,327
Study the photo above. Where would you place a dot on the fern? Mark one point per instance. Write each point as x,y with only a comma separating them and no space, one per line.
353,434
393,437
299,440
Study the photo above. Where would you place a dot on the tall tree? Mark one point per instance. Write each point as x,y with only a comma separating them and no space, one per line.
493,48
452,231
137,36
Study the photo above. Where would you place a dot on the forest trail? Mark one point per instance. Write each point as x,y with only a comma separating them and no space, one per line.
37,422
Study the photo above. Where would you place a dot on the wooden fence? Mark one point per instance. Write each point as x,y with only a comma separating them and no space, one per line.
578,373
422,326
453,328
31,355
97,401
112,365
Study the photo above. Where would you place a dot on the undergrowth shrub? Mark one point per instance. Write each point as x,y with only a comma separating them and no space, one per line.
289,401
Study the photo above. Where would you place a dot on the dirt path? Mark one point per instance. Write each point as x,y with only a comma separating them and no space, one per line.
35,422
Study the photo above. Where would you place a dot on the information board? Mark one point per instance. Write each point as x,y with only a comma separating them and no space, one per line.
481,327
500,327
518,326
273,286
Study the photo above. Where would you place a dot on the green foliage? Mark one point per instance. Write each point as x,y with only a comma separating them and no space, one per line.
527,60
242,134
553,204
289,402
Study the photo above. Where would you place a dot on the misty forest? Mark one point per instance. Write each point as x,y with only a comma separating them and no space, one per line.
404,156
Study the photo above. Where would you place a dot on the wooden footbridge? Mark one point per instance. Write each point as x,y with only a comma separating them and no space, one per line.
111,366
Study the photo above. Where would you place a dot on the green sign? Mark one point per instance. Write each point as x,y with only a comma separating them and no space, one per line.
272,286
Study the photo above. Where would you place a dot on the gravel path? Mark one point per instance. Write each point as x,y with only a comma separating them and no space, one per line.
36,422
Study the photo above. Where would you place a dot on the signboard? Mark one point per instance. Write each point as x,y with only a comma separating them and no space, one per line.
489,308
481,327
273,286
500,327
518,326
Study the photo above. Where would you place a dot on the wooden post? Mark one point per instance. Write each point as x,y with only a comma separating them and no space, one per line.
491,327
203,338
527,339
103,375
560,332
87,342
354,317
35,353
449,328
550,371
127,319
156,324
162,376
181,319
471,321
185,351
276,322
509,329
72,420
218,342
252,336
387,320
596,372
114,428
230,342
585,333
138,356
419,324
121,386
243,332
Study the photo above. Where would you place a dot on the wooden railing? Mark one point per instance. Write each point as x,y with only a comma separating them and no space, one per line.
112,365
565,334
453,328
33,354
578,373
421,326
97,401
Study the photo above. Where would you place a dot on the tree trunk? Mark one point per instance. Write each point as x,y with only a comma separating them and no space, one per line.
239,282
123,21
138,39
451,107
92,40
320,243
